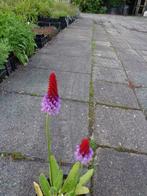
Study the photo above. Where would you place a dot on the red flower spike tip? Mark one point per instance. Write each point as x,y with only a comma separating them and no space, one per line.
84,147
84,152
52,86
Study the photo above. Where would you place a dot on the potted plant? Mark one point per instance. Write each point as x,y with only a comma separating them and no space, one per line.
61,14
18,34
56,184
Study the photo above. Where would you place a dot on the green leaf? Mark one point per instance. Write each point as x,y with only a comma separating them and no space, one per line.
45,187
37,189
86,177
72,179
72,193
53,191
56,173
93,145
59,180
80,190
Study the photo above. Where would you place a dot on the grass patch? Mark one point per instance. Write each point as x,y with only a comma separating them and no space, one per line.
13,155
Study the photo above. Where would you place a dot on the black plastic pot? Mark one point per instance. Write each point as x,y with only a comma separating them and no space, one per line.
59,23
43,19
64,22
13,61
3,74
43,24
8,67
70,20
51,23
41,40
56,24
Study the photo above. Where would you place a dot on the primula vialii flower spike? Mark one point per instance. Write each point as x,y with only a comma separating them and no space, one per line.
52,87
51,102
84,152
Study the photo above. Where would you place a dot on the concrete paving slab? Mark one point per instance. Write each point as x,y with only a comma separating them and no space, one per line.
100,37
17,177
129,55
144,54
22,127
107,62
77,32
109,53
120,174
135,66
60,63
103,43
102,49
68,43
82,22
138,45
114,94
99,34
121,128
142,97
72,51
120,43
77,35
109,74
78,38
35,81
138,78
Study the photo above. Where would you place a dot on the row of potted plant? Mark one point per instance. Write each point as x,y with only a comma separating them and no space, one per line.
27,24
29,10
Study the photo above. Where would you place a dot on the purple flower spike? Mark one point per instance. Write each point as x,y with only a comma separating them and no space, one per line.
83,152
51,102
50,105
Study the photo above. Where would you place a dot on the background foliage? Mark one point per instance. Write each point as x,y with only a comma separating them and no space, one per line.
92,6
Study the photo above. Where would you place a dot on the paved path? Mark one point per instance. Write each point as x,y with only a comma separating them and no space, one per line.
101,65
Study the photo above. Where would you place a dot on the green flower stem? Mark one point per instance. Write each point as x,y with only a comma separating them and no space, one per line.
81,169
48,138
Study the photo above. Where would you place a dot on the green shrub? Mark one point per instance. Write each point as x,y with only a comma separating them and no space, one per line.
93,6
4,52
29,10
19,35
59,9
115,3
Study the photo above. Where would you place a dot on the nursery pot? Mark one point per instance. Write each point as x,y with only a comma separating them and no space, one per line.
43,19
64,22
8,67
3,73
12,60
41,40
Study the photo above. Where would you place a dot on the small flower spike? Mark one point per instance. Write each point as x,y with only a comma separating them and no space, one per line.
84,152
